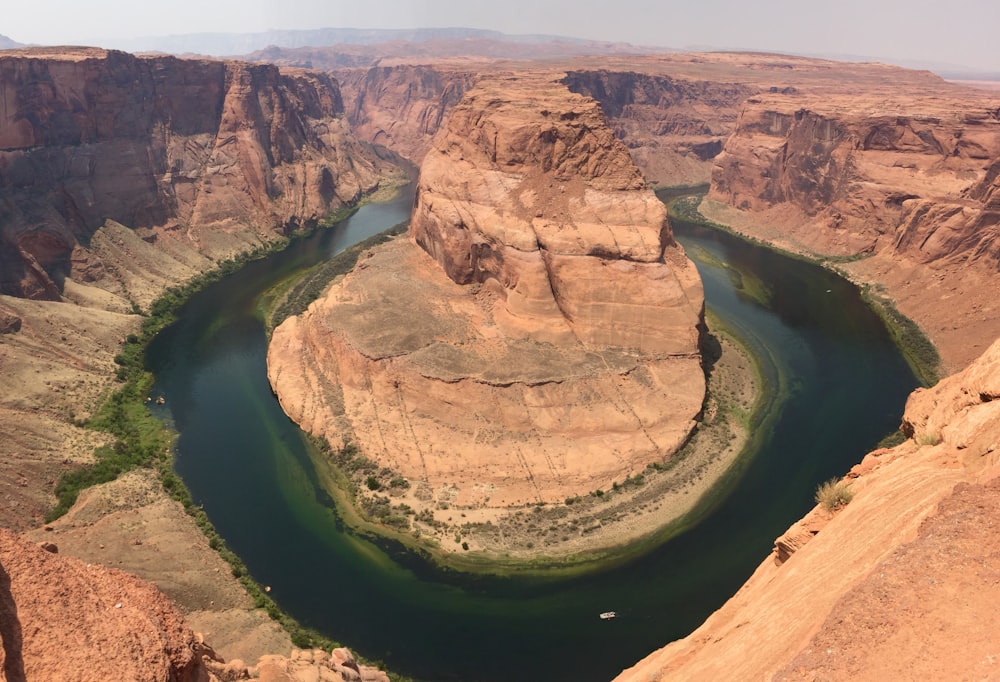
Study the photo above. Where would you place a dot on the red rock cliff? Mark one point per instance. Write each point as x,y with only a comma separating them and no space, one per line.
193,148
402,107
902,184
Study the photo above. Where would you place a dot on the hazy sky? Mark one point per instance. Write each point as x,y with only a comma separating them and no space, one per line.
960,32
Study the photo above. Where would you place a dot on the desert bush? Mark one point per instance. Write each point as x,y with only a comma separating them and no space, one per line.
833,494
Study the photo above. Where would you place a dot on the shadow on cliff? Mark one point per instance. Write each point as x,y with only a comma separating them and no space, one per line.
10,632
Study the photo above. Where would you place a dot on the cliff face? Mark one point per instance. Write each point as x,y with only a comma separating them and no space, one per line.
922,183
897,584
904,186
673,127
218,155
524,351
402,107
121,176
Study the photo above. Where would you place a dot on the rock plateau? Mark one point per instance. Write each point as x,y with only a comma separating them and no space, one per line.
535,338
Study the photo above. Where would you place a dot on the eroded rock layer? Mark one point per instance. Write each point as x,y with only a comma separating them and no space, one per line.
535,338
899,185
218,155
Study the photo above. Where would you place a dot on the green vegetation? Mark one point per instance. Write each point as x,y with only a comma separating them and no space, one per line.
293,295
920,353
143,441
895,438
833,494
929,438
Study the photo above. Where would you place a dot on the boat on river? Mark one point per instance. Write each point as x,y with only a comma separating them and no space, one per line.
608,615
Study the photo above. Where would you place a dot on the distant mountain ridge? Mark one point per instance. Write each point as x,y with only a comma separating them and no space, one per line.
224,44
8,44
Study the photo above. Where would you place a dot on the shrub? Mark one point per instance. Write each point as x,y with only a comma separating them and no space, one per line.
833,494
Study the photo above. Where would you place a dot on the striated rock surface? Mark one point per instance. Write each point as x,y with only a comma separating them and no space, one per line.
402,107
899,584
535,338
674,125
901,183
220,156
121,176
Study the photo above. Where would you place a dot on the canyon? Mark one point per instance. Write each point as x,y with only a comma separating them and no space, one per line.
123,176
519,346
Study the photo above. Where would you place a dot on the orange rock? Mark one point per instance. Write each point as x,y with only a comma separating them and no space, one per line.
543,341
63,619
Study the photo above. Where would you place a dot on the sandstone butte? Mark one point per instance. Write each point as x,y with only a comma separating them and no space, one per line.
536,335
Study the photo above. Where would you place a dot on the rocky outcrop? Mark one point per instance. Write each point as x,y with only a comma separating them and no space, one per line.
536,338
63,619
219,156
894,585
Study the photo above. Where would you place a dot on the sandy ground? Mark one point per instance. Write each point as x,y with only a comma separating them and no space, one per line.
132,525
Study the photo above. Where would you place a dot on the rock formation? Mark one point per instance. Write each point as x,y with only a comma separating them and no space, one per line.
121,176
900,583
902,182
536,338
219,155
402,107
63,619
673,126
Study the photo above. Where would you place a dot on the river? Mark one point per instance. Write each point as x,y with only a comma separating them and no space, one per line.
841,384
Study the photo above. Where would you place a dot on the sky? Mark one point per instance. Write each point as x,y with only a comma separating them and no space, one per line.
963,33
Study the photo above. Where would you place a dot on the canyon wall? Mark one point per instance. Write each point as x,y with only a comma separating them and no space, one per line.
402,107
221,156
535,338
898,584
121,176
674,127
900,188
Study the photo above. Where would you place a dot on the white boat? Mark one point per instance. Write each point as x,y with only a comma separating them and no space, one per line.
608,615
